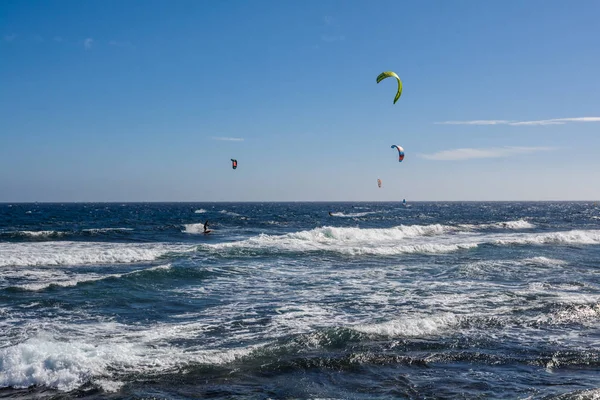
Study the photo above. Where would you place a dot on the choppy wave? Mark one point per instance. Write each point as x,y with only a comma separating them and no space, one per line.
514,225
34,234
351,241
40,279
566,237
54,234
414,326
103,230
230,213
352,215
399,240
200,211
540,260
78,253
71,362
497,292
193,228
573,314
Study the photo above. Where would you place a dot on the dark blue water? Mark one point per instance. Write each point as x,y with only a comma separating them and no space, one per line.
284,300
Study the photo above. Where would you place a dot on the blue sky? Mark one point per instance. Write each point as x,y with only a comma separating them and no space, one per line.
149,100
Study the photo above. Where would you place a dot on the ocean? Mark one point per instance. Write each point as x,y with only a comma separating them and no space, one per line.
437,300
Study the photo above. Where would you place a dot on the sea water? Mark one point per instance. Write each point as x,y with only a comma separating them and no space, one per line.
285,300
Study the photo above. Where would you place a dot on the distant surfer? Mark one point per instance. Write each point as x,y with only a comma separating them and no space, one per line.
330,214
206,230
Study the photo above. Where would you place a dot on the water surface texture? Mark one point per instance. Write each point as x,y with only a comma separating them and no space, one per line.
284,300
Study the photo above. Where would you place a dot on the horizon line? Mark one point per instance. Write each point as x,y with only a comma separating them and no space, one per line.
294,201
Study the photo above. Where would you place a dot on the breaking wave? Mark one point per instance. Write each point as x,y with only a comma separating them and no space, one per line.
403,239
352,241
352,215
566,237
78,253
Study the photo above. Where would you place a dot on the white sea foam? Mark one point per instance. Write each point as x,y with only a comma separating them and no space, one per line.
69,362
53,234
193,228
230,213
41,278
102,230
411,326
400,240
356,241
352,215
78,253
565,237
508,267
51,363
38,234
591,394
519,224
425,248
545,261
200,211
512,225
576,314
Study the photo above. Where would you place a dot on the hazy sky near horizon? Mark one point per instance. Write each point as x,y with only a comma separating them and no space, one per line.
106,100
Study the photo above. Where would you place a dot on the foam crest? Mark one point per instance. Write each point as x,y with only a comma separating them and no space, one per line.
40,279
58,234
200,211
426,248
35,234
230,213
354,241
104,230
352,215
355,235
544,261
78,253
511,225
566,237
67,364
193,228
519,224
574,314
411,327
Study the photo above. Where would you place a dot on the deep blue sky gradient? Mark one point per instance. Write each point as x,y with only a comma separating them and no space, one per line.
126,100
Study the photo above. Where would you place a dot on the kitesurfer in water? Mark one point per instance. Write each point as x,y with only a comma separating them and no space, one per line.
206,227
330,214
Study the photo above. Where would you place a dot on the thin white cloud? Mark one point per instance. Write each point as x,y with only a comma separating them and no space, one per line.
10,38
493,152
229,139
557,121
553,121
87,43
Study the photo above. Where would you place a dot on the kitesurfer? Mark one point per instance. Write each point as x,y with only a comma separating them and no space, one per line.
206,227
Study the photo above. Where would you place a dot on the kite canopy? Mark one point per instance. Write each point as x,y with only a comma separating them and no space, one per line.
379,182
233,163
400,152
390,74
